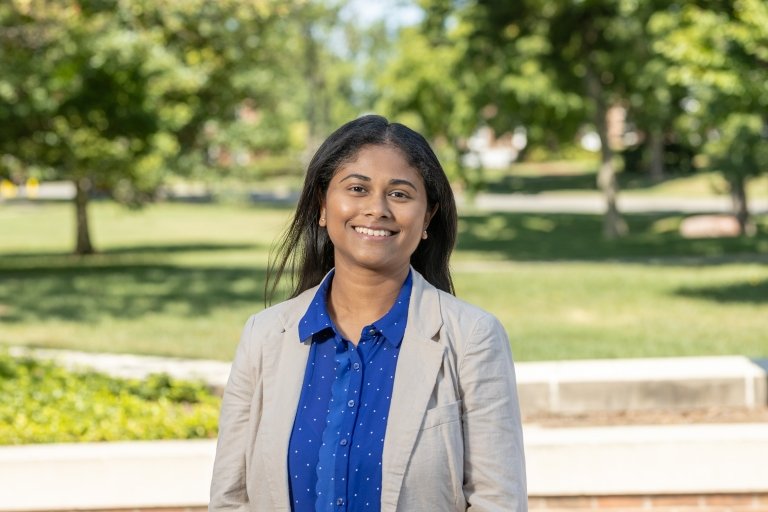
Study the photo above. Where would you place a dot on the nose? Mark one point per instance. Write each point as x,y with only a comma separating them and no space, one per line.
377,206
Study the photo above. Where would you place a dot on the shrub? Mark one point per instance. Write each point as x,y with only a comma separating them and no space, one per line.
41,402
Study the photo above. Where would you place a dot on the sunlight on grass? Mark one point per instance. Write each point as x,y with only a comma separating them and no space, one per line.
536,223
666,225
180,279
577,310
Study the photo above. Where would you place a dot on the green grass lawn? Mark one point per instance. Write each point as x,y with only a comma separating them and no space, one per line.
181,279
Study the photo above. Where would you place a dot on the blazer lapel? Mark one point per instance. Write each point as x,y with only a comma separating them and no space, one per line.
418,365
284,366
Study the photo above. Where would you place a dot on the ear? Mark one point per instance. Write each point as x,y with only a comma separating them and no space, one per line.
429,215
322,221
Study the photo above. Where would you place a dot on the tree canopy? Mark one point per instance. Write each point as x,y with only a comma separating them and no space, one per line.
110,94
115,94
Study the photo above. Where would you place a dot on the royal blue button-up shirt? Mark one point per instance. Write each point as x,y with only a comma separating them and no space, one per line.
334,455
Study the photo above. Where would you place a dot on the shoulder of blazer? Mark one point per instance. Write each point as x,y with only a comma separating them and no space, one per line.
432,309
458,321
454,307
285,315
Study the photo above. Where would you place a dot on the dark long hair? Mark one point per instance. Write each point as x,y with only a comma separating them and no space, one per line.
305,252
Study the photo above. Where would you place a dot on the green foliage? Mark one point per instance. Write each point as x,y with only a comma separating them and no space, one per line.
43,403
114,94
87,96
740,146
119,88
427,85
718,56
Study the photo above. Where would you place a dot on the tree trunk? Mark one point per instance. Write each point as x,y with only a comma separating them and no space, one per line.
656,153
613,223
738,191
82,188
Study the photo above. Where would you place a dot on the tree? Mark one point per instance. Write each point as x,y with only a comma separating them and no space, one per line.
426,85
581,49
81,99
329,47
653,103
718,51
106,93
519,87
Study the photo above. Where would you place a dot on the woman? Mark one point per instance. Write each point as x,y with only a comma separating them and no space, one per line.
372,387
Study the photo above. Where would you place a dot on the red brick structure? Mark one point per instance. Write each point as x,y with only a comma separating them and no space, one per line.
751,502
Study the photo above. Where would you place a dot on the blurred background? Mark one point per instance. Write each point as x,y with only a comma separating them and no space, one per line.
151,152
610,159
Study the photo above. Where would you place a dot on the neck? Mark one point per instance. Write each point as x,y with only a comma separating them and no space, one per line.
363,295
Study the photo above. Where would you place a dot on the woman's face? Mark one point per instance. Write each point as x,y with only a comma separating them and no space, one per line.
375,211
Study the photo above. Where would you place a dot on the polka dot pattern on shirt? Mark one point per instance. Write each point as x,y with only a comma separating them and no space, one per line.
334,456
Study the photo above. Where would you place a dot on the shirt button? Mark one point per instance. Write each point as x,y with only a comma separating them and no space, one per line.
340,501
356,366
372,332
351,403
343,442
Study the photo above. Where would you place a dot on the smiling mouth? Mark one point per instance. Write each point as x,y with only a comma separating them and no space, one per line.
373,232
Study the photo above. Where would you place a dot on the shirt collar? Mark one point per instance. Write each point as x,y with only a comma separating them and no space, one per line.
391,326
317,319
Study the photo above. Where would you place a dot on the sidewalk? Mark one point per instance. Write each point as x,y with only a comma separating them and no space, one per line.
593,203
130,366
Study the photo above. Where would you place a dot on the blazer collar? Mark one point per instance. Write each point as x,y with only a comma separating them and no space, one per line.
418,366
283,366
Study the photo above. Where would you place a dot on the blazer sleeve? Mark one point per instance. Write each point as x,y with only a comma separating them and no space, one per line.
239,404
494,460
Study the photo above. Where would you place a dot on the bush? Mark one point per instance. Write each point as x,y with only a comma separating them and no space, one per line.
43,403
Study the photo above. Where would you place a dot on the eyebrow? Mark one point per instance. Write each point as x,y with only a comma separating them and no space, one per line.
395,181
356,176
403,182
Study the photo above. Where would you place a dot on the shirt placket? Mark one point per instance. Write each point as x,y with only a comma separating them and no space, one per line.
354,373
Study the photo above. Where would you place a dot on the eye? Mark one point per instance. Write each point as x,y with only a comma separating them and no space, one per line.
399,194
358,189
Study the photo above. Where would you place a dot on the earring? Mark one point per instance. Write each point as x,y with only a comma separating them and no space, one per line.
424,235
322,221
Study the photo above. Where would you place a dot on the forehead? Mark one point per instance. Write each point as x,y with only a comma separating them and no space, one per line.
382,161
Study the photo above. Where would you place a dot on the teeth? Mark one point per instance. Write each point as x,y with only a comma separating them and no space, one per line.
373,232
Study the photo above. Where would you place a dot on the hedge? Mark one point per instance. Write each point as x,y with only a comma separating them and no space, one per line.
41,402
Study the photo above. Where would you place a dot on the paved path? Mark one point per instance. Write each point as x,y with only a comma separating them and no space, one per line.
594,204
555,202
214,373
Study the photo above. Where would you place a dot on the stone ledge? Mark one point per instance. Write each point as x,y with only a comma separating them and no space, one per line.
628,385
641,460
121,475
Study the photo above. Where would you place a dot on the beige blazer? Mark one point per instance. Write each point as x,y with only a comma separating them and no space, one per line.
453,439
